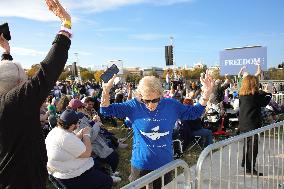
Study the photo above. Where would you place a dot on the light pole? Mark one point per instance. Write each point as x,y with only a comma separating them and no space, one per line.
78,69
171,40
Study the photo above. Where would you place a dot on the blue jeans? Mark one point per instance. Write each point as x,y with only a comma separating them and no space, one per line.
206,133
90,179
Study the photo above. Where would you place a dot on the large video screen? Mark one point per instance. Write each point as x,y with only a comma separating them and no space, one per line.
232,60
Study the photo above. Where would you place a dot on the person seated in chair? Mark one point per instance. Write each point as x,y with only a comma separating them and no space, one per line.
192,128
69,155
100,149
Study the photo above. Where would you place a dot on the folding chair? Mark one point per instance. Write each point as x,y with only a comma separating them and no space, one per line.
56,183
196,142
127,124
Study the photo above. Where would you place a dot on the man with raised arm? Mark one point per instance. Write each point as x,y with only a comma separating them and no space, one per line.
23,155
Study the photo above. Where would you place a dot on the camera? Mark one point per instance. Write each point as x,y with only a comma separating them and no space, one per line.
4,29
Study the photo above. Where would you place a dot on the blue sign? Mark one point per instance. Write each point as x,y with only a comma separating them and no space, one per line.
232,60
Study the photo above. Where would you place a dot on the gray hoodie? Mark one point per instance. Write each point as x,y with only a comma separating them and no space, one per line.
99,145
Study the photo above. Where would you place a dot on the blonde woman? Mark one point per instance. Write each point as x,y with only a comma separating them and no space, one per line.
153,119
251,101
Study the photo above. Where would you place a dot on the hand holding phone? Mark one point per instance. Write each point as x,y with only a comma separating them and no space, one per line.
109,73
4,29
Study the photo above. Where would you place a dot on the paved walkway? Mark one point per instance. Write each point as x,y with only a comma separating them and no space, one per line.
270,161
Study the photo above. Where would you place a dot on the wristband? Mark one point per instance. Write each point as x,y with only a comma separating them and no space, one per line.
87,135
6,57
63,31
67,24
66,30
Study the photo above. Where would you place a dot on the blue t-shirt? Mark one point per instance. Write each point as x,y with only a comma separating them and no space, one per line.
152,142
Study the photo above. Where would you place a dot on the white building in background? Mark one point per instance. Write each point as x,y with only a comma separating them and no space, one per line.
133,71
148,71
214,68
198,65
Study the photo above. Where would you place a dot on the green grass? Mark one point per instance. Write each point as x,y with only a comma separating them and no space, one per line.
125,156
190,157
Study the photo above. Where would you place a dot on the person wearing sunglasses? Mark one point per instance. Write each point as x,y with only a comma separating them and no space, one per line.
153,119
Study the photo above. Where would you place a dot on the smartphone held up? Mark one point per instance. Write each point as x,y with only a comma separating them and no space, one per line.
4,29
109,73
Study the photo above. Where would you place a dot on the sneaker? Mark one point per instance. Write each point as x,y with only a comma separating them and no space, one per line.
122,145
116,179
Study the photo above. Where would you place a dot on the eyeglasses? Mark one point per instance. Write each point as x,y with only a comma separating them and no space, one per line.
156,100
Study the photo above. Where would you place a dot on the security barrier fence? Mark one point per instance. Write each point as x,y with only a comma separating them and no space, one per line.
222,165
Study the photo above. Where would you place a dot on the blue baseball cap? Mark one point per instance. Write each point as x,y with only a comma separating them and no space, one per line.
69,117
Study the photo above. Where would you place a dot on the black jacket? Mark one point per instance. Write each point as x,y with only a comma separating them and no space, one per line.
219,93
23,155
250,110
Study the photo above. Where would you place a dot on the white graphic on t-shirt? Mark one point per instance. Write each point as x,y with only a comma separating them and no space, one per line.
155,135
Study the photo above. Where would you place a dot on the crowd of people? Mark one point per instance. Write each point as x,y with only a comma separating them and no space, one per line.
59,130
147,108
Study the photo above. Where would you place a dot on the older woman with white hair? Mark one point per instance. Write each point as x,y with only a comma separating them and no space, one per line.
153,119
23,155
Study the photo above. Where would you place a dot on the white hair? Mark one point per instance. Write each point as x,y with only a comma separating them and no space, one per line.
148,85
11,74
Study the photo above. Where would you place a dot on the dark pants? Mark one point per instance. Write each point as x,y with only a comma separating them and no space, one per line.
112,160
250,151
90,179
206,133
157,184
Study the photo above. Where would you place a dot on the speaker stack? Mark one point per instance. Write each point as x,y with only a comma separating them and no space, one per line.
169,55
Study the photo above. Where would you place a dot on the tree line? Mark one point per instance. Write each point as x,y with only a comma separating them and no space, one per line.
272,73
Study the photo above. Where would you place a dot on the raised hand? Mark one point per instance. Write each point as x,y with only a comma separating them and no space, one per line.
107,86
207,84
258,63
58,10
86,130
129,86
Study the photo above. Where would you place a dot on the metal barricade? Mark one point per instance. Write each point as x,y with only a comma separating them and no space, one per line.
220,164
279,98
146,180
279,84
